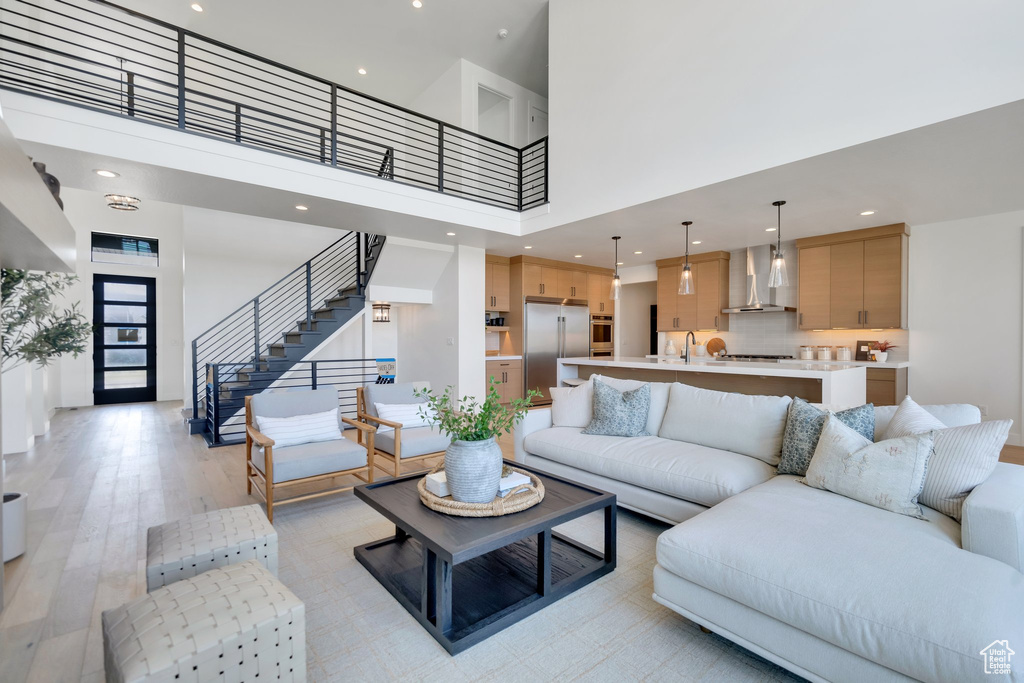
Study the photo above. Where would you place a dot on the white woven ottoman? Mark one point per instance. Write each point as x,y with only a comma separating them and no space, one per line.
182,549
233,624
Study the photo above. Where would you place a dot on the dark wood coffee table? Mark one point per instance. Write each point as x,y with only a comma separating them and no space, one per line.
466,578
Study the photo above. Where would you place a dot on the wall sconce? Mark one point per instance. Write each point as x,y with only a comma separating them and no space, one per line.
382,313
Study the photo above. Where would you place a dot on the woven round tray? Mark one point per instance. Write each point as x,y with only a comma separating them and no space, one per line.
520,498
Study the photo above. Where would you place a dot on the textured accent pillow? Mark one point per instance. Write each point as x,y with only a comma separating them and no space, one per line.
572,406
964,458
911,418
659,397
803,429
406,414
888,474
619,413
298,429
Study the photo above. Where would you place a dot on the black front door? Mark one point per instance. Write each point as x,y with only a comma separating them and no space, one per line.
124,355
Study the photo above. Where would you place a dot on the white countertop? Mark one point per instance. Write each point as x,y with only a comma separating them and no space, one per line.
490,358
797,369
797,361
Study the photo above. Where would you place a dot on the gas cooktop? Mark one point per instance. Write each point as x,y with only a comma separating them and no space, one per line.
755,358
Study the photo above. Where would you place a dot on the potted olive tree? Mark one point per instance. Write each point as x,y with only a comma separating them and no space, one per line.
472,462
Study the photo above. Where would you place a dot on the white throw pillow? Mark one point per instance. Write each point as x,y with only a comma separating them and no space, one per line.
406,414
911,418
749,425
888,474
659,397
572,406
299,429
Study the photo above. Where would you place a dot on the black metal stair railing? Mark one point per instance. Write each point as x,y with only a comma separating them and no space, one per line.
95,54
295,307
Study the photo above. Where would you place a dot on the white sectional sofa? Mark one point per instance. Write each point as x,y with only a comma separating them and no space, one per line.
825,586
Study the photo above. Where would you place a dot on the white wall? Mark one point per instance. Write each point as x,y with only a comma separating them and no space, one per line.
88,213
653,98
966,314
633,318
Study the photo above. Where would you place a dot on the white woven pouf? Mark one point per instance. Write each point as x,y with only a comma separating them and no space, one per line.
232,624
188,547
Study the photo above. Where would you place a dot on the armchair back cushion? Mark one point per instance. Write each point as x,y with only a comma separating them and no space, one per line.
391,394
292,403
300,429
750,425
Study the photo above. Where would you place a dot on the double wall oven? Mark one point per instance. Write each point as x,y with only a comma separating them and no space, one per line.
601,336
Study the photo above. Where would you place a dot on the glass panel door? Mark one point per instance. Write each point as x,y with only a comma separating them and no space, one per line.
124,344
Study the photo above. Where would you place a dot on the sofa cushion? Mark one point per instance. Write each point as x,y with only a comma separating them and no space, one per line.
751,425
312,459
572,406
888,474
391,394
951,415
659,397
804,423
620,413
893,589
415,441
683,470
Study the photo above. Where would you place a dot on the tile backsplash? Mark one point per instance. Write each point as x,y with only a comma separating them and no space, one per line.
778,333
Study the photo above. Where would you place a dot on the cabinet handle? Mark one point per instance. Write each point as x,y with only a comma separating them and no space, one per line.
716,322
865,317
801,318
859,314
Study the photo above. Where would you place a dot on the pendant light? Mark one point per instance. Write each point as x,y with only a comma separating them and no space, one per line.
777,276
616,282
686,277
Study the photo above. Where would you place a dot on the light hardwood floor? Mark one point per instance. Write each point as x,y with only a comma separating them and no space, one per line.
95,483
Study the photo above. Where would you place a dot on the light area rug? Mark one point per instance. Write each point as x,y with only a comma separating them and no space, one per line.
610,630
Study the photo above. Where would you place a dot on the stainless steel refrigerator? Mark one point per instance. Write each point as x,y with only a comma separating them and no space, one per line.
553,331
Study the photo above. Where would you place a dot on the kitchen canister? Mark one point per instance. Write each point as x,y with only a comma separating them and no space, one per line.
806,353
824,353
842,353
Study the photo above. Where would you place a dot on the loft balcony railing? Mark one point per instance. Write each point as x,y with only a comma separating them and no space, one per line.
97,55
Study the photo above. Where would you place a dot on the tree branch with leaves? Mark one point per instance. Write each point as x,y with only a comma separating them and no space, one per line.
472,420
32,328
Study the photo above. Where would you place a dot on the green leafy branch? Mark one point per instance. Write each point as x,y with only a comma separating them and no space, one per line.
472,420
32,329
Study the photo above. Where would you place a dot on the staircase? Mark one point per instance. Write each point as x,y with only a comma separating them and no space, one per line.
262,342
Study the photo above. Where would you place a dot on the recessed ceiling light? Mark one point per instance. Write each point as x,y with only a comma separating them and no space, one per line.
197,7
105,173
638,252
362,71
867,213
450,234
301,207
417,4
578,256
527,247
695,242
772,229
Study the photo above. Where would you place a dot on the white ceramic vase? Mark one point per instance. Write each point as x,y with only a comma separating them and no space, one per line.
880,356
473,470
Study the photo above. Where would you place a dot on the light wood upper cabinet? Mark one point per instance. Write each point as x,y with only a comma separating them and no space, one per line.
846,285
815,285
599,294
712,294
883,284
701,310
564,290
579,284
854,280
496,284
540,280
668,288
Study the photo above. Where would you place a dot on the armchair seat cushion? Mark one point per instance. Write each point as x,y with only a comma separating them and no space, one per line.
312,459
415,441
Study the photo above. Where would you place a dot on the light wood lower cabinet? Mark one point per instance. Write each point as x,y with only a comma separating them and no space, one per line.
886,386
510,375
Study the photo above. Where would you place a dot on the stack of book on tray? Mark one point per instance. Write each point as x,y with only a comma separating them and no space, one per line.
437,483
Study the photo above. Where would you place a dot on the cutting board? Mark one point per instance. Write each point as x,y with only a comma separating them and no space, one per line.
715,345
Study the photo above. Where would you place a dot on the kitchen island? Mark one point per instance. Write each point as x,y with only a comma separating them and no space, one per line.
839,385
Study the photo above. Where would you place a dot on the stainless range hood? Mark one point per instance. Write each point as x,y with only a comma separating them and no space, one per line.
760,297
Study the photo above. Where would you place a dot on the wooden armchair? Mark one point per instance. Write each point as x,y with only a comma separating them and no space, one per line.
278,468
393,442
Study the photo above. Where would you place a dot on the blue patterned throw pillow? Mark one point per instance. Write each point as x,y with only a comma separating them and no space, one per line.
619,413
803,429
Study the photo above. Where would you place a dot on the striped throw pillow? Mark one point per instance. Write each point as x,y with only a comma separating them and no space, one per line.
299,429
406,414
964,457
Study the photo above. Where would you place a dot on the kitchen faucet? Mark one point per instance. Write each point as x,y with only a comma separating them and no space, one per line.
686,344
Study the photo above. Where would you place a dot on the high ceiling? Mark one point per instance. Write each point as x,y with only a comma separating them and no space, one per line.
403,49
